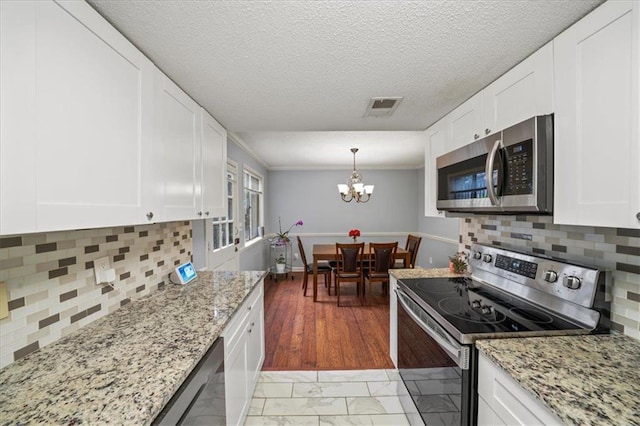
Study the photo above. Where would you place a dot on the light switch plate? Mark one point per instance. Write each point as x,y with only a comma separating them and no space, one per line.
100,266
4,301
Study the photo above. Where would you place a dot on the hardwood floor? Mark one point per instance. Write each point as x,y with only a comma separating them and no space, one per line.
303,335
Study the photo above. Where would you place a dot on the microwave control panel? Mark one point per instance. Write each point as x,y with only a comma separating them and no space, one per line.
519,170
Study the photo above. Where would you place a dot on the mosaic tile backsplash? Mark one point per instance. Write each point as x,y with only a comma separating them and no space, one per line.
51,285
615,249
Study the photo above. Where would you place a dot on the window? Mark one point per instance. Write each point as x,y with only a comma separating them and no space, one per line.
252,205
223,226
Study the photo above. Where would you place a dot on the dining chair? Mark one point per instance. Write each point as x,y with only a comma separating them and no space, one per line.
382,258
412,246
349,267
323,268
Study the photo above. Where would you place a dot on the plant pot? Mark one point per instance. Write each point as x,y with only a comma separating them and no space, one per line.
280,268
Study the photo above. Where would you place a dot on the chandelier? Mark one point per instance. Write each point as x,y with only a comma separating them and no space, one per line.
355,189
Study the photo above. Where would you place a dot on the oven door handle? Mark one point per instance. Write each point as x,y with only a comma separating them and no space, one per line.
457,352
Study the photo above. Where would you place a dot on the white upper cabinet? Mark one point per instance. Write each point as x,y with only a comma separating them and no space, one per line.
177,144
213,161
523,92
597,124
76,120
465,123
436,145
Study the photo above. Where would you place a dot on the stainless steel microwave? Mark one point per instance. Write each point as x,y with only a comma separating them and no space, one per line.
510,171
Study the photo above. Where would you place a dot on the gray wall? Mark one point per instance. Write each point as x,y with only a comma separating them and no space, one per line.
312,196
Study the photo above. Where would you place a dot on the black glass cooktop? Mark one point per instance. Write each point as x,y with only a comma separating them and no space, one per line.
471,307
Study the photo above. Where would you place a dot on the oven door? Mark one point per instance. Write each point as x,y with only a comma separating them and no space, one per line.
435,369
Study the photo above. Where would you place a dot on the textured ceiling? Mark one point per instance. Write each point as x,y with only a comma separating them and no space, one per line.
262,67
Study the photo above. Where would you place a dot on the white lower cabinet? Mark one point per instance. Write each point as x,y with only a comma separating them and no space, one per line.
502,401
243,355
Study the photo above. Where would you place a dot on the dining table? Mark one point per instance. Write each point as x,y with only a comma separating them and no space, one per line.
328,252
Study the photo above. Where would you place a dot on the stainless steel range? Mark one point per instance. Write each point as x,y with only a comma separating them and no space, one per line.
509,294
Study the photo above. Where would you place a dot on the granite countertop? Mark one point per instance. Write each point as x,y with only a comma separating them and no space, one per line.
423,273
124,367
584,380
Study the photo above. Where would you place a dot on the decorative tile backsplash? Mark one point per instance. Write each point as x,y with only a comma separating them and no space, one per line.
615,249
51,285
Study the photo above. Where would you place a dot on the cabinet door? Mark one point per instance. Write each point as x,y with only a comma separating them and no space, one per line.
177,135
255,345
76,120
597,143
436,145
213,167
523,92
465,123
235,381
507,401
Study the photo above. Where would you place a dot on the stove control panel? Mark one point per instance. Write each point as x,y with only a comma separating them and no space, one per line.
558,278
518,266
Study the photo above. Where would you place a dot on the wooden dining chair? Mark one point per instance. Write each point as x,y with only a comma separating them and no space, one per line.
382,258
412,246
323,268
349,267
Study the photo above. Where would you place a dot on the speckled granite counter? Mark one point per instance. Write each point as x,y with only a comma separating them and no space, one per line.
423,273
123,368
584,380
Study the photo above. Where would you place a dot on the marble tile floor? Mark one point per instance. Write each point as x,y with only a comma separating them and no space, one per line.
327,398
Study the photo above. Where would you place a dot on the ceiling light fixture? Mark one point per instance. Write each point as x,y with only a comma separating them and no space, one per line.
355,189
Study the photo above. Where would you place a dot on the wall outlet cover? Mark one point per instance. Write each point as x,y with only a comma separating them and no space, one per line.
100,266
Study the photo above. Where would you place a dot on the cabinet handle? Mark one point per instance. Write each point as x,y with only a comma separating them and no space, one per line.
249,331
476,136
638,215
248,308
207,213
487,131
150,215
199,213
253,323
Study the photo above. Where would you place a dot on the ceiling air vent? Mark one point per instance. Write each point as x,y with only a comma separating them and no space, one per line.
382,107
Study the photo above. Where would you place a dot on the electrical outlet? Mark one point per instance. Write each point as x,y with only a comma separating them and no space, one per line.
295,256
100,266
431,260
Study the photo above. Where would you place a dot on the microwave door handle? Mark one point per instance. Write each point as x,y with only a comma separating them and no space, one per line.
454,351
488,175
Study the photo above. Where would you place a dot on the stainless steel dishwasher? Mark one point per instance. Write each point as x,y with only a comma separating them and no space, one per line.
200,399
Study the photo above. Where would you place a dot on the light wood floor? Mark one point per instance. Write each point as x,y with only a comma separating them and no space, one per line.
303,335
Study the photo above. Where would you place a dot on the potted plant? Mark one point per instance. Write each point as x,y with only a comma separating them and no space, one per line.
354,233
458,263
283,237
281,263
